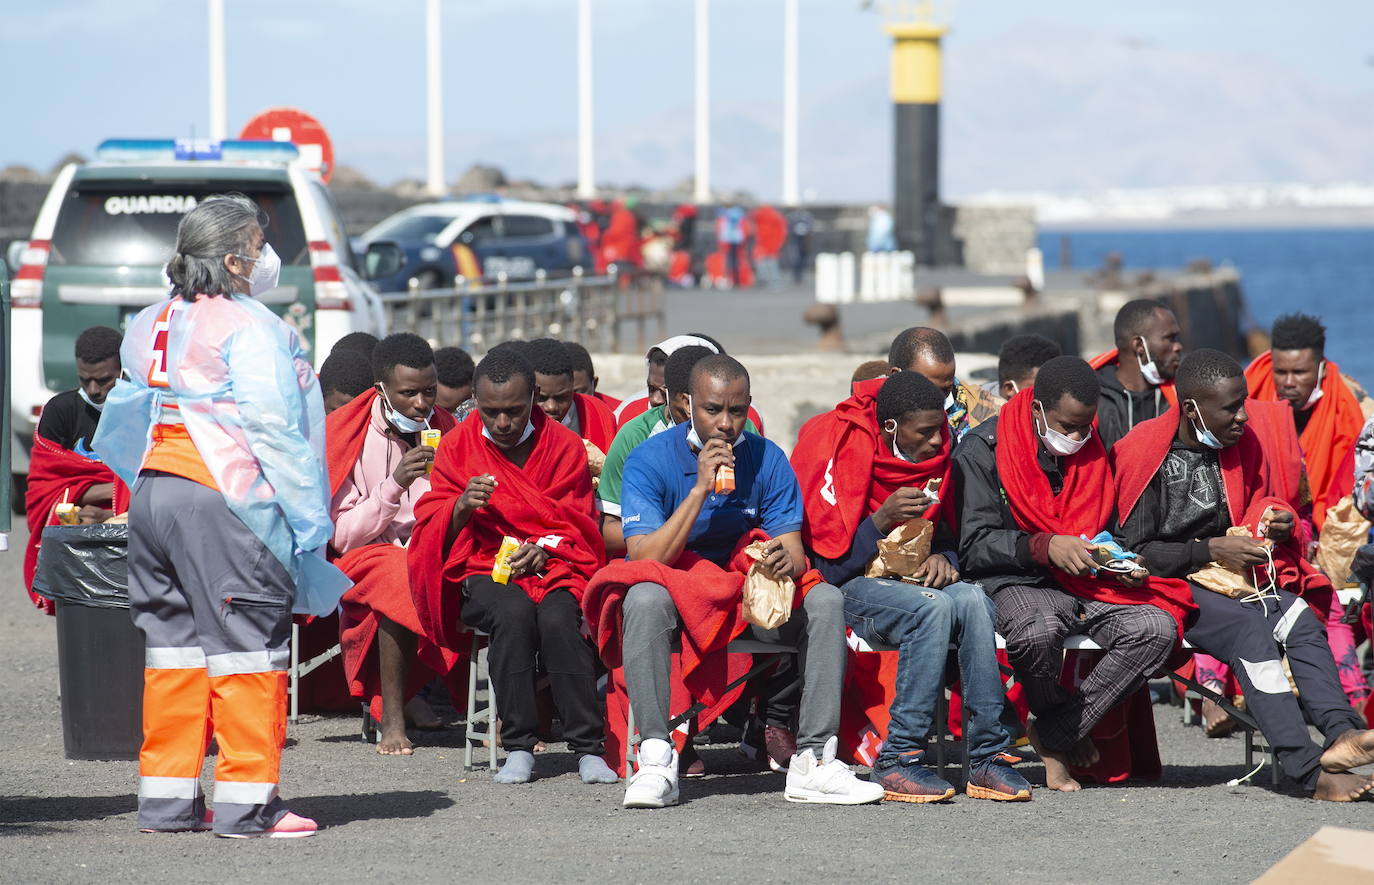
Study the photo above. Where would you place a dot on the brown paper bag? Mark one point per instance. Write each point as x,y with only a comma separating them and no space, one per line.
1219,579
767,601
905,549
1342,534
596,460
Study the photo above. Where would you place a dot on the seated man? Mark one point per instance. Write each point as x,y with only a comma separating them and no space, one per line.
865,468
584,415
670,508
675,411
62,466
378,469
1327,416
1028,484
1185,479
929,353
1020,360
510,476
455,378
1137,378
344,377
585,381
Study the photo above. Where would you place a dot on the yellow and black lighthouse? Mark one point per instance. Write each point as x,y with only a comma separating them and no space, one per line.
915,90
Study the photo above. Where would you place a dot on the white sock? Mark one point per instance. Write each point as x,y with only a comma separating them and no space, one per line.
518,768
594,770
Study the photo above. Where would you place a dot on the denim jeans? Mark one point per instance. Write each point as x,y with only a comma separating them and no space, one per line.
921,623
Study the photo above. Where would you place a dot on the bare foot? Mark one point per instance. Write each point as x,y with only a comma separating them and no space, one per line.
421,715
1084,754
1216,722
1351,750
539,747
394,742
1057,775
1342,787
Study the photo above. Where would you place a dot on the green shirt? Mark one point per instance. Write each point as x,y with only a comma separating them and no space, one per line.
635,431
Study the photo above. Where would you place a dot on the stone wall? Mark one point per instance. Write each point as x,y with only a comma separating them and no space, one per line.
990,239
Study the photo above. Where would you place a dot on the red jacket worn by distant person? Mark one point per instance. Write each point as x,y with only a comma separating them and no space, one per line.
547,502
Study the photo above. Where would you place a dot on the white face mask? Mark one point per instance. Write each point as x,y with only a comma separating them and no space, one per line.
1148,370
403,423
524,435
694,438
266,271
1317,392
81,392
891,427
1058,443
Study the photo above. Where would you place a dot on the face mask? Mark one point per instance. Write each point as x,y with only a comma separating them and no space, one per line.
266,271
1204,436
891,427
525,434
1015,388
1059,443
1148,370
403,423
81,392
694,438
1317,392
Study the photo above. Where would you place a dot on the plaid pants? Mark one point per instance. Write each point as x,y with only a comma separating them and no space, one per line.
1034,622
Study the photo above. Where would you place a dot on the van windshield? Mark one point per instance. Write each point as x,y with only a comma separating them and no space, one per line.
134,223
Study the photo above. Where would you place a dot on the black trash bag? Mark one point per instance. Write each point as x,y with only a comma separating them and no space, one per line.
84,565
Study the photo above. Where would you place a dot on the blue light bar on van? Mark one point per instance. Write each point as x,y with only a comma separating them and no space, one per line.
146,150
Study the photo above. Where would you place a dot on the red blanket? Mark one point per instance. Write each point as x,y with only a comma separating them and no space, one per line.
380,587
1113,357
610,402
1083,507
595,420
56,475
846,472
548,501
381,584
1328,440
347,427
1141,453
708,599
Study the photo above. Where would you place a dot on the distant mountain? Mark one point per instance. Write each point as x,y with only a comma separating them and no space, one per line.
1038,108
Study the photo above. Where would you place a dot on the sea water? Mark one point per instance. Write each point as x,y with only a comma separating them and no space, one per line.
1324,271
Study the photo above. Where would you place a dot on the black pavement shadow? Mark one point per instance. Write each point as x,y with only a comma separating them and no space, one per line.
23,810
336,811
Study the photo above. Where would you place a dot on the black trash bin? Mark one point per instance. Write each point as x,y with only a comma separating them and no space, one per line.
84,569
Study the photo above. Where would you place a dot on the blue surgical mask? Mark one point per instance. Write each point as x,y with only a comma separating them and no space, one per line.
1204,436
403,423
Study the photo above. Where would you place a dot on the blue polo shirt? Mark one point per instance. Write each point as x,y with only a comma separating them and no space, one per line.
661,471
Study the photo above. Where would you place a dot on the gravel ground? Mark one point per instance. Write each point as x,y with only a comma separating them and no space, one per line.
424,819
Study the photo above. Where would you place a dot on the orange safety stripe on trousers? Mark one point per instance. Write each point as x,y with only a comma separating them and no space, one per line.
250,725
176,722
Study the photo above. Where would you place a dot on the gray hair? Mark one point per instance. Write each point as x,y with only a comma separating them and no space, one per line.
220,225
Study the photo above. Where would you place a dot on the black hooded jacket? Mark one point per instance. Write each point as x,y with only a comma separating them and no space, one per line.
1119,409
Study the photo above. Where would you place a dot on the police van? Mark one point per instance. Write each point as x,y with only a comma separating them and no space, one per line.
107,229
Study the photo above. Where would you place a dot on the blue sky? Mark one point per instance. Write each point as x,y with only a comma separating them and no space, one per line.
83,70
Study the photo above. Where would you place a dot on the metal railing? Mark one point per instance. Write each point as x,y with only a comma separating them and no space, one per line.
477,315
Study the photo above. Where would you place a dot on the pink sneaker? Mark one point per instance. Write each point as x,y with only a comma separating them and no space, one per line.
292,826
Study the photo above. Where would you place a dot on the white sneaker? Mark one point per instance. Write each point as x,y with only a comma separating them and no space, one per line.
828,781
654,785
